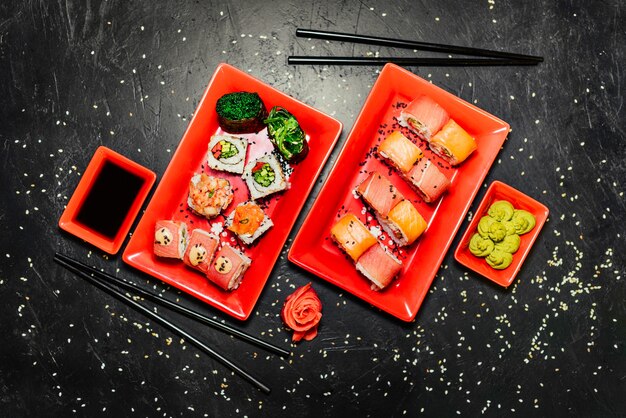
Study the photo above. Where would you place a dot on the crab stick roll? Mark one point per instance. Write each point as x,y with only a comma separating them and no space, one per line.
379,265
404,223
200,250
427,180
452,143
352,236
170,239
424,117
399,151
228,268
378,192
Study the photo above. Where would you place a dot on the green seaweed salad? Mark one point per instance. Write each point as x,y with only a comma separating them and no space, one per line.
286,134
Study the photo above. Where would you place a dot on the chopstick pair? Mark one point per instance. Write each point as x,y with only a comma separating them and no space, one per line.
104,281
495,58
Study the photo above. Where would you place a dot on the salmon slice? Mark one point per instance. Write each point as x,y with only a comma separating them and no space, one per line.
404,224
200,250
399,151
453,143
424,117
170,239
378,192
352,236
428,180
379,266
228,268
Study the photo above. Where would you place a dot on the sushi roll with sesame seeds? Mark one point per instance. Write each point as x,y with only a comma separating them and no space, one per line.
264,176
209,195
228,268
427,180
352,236
200,250
248,221
170,239
379,266
424,117
453,143
227,153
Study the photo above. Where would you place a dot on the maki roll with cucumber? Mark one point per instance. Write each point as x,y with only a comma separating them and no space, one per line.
227,153
264,176
241,112
286,135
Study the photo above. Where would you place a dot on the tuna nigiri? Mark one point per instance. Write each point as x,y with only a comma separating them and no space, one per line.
170,239
399,151
424,116
352,236
428,180
378,192
404,223
452,143
200,250
379,266
228,267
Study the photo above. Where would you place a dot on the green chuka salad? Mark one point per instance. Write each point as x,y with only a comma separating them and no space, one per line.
286,134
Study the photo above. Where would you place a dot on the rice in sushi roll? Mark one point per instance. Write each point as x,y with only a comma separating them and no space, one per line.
352,236
170,239
228,268
427,180
399,151
200,250
404,224
227,153
248,222
209,195
264,176
424,117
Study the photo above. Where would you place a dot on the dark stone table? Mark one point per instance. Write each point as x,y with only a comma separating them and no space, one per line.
129,74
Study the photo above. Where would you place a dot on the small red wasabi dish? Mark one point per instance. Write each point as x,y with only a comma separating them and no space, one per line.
302,312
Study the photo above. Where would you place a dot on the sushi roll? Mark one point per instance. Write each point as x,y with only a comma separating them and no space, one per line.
378,192
228,268
352,236
240,112
264,176
379,265
200,250
209,195
424,117
248,222
452,143
227,153
404,224
399,152
427,180
170,239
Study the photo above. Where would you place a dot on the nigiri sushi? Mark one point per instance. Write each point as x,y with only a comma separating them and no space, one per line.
170,239
228,268
399,151
379,265
424,117
452,143
378,192
404,223
352,236
200,250
427,180
248,222
209,195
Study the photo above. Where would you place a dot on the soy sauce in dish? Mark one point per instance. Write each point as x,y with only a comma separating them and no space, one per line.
110,198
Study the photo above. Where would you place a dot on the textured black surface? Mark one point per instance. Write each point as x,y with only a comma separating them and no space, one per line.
78,74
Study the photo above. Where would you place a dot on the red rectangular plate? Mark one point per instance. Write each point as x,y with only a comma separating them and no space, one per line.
169,201
313,249
501,191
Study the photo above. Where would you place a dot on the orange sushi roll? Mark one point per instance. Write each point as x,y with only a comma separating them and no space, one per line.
378,192
404,223
424,117
352,236
399,151
452,143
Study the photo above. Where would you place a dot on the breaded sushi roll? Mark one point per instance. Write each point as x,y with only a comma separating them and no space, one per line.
228,268
399,151
452,143
248,221
427,180
227,153
404,224
200,250
352,236
424,117
170,239
209,195
264,176
379,265
378,192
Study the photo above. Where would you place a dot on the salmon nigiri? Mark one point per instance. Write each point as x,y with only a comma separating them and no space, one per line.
399,151
379,266
352,236
404,224
428,180
452,143
424,117
378,192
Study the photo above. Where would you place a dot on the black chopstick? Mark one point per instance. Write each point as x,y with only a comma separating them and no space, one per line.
164,322
175,307
412,61
400,43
